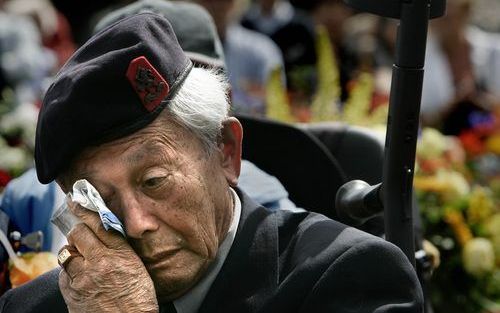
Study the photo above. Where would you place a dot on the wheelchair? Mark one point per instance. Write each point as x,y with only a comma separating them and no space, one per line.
314,160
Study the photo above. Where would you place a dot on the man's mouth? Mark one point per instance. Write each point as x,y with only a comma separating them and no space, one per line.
159,258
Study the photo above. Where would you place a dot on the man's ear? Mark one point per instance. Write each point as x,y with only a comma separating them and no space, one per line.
232,134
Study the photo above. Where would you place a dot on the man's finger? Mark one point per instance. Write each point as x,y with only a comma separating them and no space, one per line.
71,260
86,241
64,280
65,254
90,218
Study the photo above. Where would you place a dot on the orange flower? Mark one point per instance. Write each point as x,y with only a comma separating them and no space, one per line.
460,229
32,265
472,143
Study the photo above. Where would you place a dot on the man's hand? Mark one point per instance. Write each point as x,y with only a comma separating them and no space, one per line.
105,274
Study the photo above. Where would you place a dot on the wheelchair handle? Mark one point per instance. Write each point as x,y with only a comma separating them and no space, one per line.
356,202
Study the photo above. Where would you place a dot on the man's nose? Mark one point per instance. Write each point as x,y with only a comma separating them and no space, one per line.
137,217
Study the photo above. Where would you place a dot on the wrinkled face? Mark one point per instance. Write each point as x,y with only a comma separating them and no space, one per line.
172,197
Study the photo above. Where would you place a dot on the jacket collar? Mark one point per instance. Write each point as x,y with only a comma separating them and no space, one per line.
250,272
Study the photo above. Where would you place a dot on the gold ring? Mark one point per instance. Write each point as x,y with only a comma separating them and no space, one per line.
64,256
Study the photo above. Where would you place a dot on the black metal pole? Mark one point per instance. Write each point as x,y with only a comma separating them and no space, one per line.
403,123
404,111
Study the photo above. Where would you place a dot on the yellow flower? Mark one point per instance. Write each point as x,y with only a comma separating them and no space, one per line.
324,104
478,257
379,116
277,102
493,143
357,107
430,184
480,205
448,184
432,144
493,225
496,248
493,229
457,184
460,229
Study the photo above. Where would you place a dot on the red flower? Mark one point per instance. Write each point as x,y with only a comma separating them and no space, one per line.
472,142
4,178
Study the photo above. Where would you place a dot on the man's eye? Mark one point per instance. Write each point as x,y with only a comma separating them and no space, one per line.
153,182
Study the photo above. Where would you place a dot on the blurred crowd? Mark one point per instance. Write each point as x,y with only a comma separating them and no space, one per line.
263,36
290,39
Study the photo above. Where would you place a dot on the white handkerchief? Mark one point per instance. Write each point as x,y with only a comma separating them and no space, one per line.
88,197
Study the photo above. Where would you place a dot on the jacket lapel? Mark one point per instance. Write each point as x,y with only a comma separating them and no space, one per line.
250,273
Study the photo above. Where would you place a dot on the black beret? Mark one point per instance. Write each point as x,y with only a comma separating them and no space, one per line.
114,85
192,24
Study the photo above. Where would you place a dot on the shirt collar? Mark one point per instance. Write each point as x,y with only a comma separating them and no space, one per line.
191,301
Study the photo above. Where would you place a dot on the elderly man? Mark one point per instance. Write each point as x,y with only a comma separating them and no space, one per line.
29,204
130,114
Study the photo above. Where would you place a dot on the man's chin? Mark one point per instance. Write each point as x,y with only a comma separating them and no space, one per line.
171,284
173,288
164,295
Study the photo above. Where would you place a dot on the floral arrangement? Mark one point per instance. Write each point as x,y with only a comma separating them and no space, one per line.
17,135
459,200
363,106
457,181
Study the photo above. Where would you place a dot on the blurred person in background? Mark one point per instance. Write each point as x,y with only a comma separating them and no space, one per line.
82,15
29,206
333,14
462,70
53,26
24,61
250,56
267,16
461,84
371,40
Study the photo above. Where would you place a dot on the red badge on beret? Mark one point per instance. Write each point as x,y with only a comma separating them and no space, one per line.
149,85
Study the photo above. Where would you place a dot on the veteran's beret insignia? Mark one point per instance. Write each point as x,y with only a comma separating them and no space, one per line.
149,85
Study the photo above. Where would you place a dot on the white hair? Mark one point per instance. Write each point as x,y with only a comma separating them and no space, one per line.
202,104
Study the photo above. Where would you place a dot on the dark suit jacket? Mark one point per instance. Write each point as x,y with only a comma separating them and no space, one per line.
288,262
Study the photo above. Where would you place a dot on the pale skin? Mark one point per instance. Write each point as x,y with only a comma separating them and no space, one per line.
174,201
